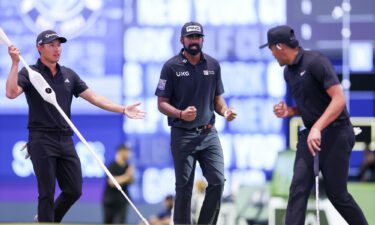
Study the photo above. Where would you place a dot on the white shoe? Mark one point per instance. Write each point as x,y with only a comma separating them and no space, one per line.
36,218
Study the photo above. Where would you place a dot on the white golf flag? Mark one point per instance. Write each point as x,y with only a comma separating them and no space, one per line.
3,38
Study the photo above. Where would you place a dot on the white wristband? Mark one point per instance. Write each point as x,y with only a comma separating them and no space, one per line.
226,113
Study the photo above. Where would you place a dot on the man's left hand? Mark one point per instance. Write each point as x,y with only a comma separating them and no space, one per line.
133,112
230,114
314,140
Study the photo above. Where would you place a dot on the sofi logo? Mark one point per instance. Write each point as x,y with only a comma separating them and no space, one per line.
182,74
21,164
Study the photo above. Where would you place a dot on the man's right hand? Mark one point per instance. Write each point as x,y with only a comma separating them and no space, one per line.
281,110
189,114
14,53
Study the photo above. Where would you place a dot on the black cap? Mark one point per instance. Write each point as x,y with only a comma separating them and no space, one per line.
191,28
281,34
48,36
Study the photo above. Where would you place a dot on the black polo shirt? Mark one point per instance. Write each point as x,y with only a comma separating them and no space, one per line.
43,116
308,78
186,85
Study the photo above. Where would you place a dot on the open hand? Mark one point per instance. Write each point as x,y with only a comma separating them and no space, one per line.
133,112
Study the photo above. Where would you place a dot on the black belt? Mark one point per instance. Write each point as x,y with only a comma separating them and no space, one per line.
203,127
56,132
198,129
336,123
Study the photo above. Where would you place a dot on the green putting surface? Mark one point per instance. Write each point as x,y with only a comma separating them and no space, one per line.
364,194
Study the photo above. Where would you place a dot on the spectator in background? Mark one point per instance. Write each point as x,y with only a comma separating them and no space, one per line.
367,169
114,204
164,216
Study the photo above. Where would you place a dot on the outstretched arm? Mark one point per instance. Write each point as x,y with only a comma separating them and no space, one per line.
131,111
13,90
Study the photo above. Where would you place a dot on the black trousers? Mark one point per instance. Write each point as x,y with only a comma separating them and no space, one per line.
54,157
115,213
336,146
188,147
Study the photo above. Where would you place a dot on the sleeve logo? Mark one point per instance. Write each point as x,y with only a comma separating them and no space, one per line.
161,85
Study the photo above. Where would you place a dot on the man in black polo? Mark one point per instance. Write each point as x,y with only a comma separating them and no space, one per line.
50,144
321,103
189,92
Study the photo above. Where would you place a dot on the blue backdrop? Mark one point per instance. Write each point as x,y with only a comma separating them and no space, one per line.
118,48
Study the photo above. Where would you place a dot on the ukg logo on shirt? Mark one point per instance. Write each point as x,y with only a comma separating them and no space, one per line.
182,74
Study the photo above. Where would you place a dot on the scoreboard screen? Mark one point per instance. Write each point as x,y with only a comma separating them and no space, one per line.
319,25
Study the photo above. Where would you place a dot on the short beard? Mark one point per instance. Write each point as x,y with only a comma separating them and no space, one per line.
191,51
